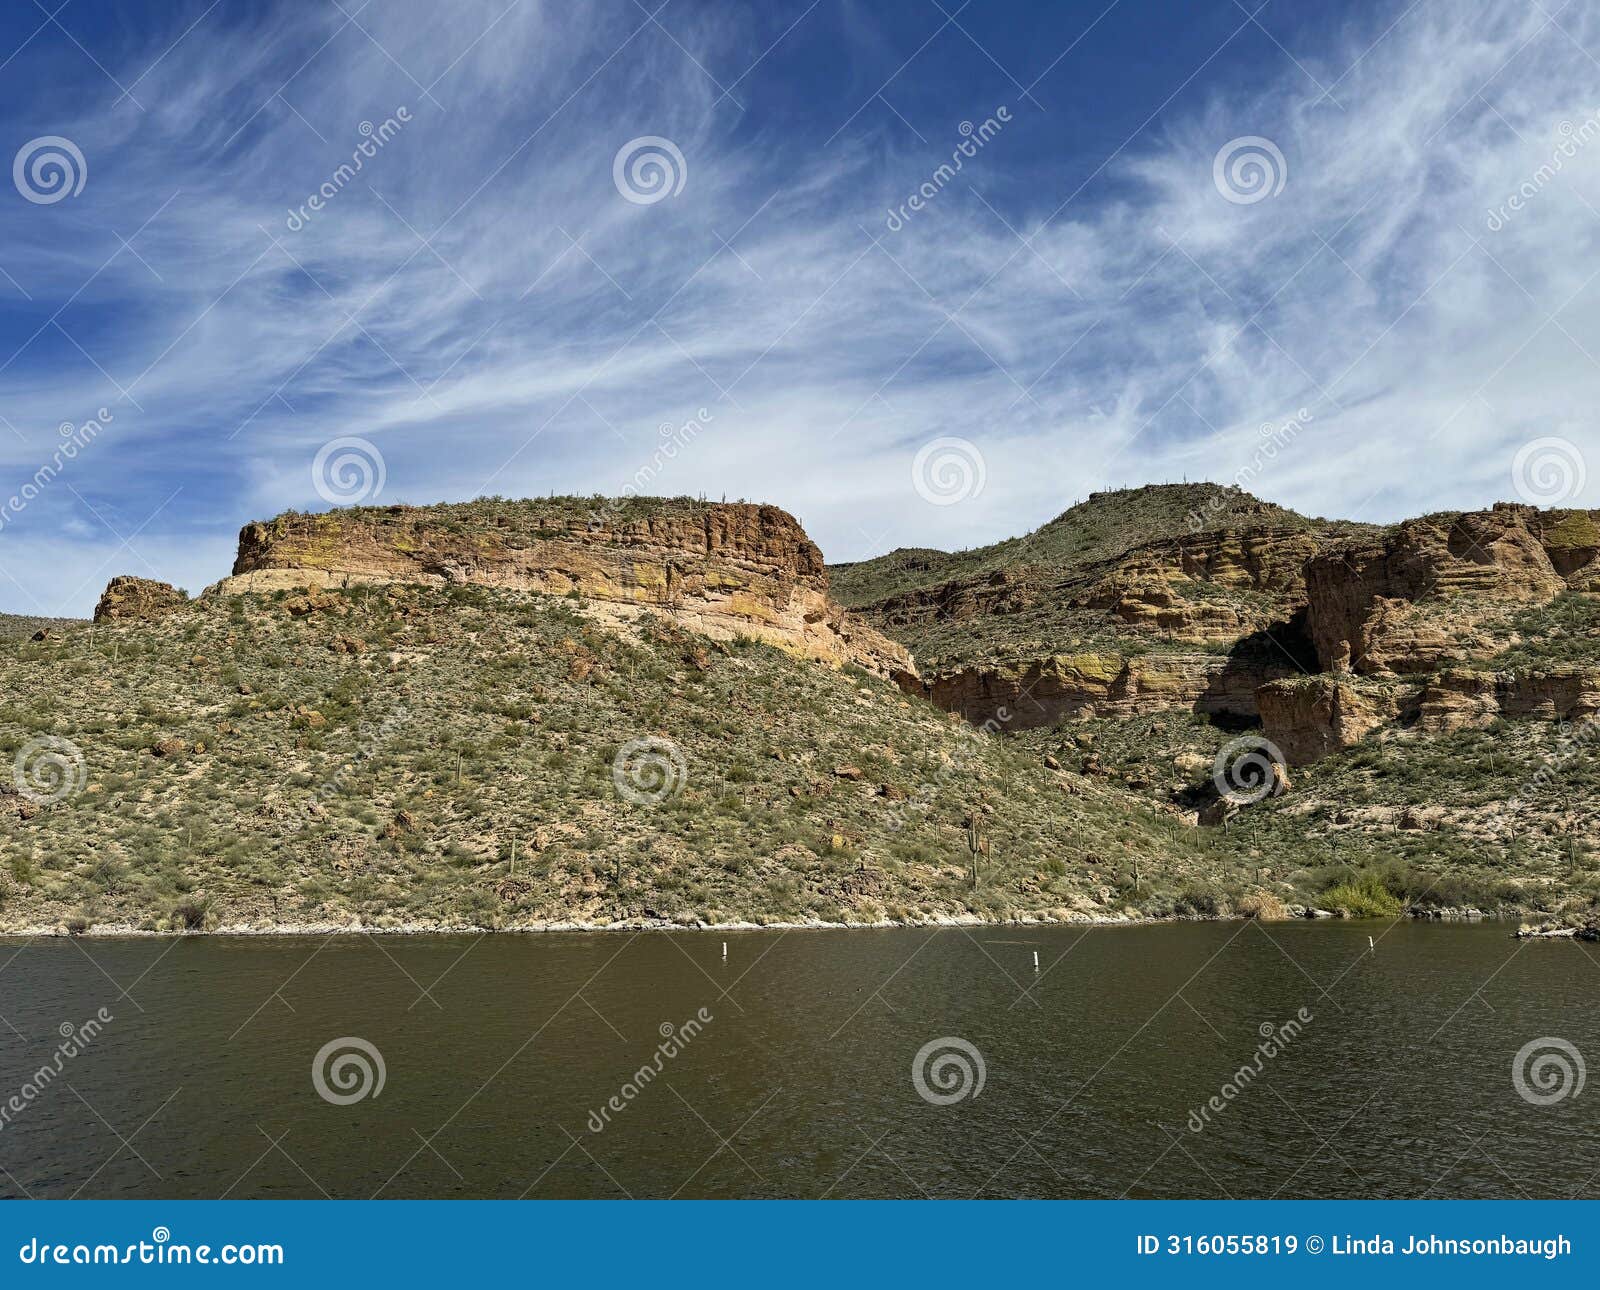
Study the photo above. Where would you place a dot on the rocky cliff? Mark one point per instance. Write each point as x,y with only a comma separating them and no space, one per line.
722,570
1194,598
1168,596
1041,692
1411,598
1308,717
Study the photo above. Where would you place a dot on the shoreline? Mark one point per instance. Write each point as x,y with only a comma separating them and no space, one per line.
127,931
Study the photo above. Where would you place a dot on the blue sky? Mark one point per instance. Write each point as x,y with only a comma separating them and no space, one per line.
1095,299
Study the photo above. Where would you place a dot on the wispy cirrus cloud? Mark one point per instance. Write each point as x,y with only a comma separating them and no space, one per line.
481,302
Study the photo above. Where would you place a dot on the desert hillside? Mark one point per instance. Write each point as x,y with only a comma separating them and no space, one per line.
1431,683
1169,701
377,722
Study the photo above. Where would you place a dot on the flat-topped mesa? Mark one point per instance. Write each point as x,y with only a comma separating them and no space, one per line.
721,569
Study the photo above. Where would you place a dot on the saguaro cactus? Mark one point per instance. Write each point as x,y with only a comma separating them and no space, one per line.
977,843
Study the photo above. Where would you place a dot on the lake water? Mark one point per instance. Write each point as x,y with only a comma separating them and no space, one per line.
500,1055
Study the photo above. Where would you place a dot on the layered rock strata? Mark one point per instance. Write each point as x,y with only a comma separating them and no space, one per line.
721,569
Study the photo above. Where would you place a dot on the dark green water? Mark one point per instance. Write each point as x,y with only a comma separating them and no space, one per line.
801,1083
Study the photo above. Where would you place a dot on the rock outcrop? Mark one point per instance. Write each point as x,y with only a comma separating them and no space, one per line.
1457,699
1021,696
139,598
1326,632
1308,717
720,569
1200,589
1408,599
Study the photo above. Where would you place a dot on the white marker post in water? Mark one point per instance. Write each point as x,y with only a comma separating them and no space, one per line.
1036,960
724,951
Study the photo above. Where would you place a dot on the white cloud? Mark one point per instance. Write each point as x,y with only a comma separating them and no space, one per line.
1141,332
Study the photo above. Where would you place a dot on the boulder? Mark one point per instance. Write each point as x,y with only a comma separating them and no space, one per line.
138,598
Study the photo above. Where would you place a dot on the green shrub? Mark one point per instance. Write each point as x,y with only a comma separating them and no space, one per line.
1364,897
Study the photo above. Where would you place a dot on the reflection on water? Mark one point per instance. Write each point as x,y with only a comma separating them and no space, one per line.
851,1064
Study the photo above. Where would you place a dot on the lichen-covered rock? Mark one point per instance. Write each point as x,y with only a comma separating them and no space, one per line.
138,598
720,569
1571,538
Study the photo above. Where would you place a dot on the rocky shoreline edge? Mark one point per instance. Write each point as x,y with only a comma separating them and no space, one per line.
128,931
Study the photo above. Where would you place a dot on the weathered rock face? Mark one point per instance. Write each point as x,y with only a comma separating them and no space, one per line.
1457,699
720,569
1041,692
1367,595
1308,717
1572,541
130,597
1221,587
1165,588
1105,612
1004,592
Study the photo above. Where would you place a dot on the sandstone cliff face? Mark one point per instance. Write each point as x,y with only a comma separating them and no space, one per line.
719,569
1041,692
1413,601
1572,541
1406,601
1308,717
1222,587
143,598
1177,589
1458,699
